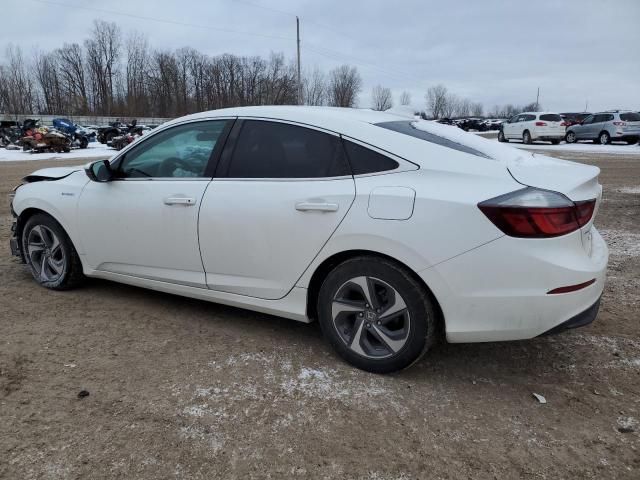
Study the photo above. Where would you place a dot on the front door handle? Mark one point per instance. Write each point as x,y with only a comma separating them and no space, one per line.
316,206
179,200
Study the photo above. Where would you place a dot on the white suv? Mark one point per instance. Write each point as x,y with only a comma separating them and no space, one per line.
531,126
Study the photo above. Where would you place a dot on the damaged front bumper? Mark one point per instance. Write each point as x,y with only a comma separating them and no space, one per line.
14,244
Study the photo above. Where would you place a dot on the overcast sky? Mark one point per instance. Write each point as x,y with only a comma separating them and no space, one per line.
491,51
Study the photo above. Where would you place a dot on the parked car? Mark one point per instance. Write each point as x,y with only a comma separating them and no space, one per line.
573,118
604,127
532,126
388,231
467,124
79,136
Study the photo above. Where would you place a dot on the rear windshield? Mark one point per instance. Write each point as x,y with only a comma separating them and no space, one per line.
630,117
551,117
407,128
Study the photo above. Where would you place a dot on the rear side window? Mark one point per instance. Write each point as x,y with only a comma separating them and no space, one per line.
409,129
528,118
630,117
364,160
551,117
280,150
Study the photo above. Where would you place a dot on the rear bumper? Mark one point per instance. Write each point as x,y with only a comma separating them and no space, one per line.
580,320
559,136
500,291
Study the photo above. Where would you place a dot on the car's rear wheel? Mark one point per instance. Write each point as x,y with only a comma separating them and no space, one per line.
501,137
526,137
604,138
376,315
49,253
570,137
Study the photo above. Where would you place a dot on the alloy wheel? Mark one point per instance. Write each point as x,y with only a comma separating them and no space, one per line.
371,317
45,253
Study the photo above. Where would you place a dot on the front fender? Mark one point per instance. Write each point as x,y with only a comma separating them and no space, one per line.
57,199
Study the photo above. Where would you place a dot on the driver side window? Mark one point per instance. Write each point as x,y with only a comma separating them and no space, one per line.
178,152
589,119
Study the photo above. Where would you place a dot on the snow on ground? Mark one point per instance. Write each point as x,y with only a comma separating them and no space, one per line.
619,149
95,150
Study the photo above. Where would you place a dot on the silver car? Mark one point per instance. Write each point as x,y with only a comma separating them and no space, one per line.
605,127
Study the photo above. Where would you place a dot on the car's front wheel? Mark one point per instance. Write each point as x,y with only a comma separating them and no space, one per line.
526,137
376,315
501,137
49,253
570,137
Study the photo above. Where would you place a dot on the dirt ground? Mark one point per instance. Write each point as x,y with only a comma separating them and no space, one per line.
180,388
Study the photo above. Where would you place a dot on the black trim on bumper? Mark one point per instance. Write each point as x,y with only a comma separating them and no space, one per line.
580,320
15,249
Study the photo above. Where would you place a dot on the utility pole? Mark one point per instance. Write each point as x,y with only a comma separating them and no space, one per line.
538,100
299,80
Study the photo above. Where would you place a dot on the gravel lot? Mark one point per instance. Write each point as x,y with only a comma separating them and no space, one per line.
186,389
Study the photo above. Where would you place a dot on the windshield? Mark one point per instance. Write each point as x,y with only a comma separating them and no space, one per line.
406,127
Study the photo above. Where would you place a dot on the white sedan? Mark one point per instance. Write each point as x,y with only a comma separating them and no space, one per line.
391,232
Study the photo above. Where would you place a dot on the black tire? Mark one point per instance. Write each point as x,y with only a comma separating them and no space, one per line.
109,137
526,137
604,138
501,137
570,137
555,142
420,314
70,266
632,142
84,143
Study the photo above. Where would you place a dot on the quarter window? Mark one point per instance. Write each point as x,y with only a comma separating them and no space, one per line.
280,150
364,160
178,152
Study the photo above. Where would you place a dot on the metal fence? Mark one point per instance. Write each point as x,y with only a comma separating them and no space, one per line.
83,120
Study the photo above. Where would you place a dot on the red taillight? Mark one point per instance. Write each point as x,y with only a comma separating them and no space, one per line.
541,124
584,211
534,213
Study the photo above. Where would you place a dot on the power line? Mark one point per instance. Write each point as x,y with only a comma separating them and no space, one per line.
161,20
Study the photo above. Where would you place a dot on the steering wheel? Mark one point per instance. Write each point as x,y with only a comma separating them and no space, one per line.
168,166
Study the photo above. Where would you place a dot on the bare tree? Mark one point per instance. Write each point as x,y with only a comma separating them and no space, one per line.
19,83
50,97
73,79
344,85
476,109
103,52
314,88
381,98
405,98
437,100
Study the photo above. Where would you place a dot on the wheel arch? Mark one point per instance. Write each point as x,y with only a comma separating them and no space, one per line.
29,212
328,264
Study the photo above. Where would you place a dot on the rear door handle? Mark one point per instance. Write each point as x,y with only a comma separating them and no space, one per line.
179,200
318,207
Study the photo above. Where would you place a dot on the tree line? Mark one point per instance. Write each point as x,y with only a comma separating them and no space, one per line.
109,74
122,75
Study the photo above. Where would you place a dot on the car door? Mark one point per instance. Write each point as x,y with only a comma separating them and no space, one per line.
144,223
582,129
280,193
509,127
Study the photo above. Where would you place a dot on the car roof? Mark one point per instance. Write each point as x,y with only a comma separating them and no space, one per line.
324,117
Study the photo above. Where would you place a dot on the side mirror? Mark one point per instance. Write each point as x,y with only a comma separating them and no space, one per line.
99,171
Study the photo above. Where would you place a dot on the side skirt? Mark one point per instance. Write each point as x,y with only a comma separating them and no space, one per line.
293,306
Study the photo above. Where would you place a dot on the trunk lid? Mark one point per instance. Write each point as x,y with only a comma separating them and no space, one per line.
575,180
